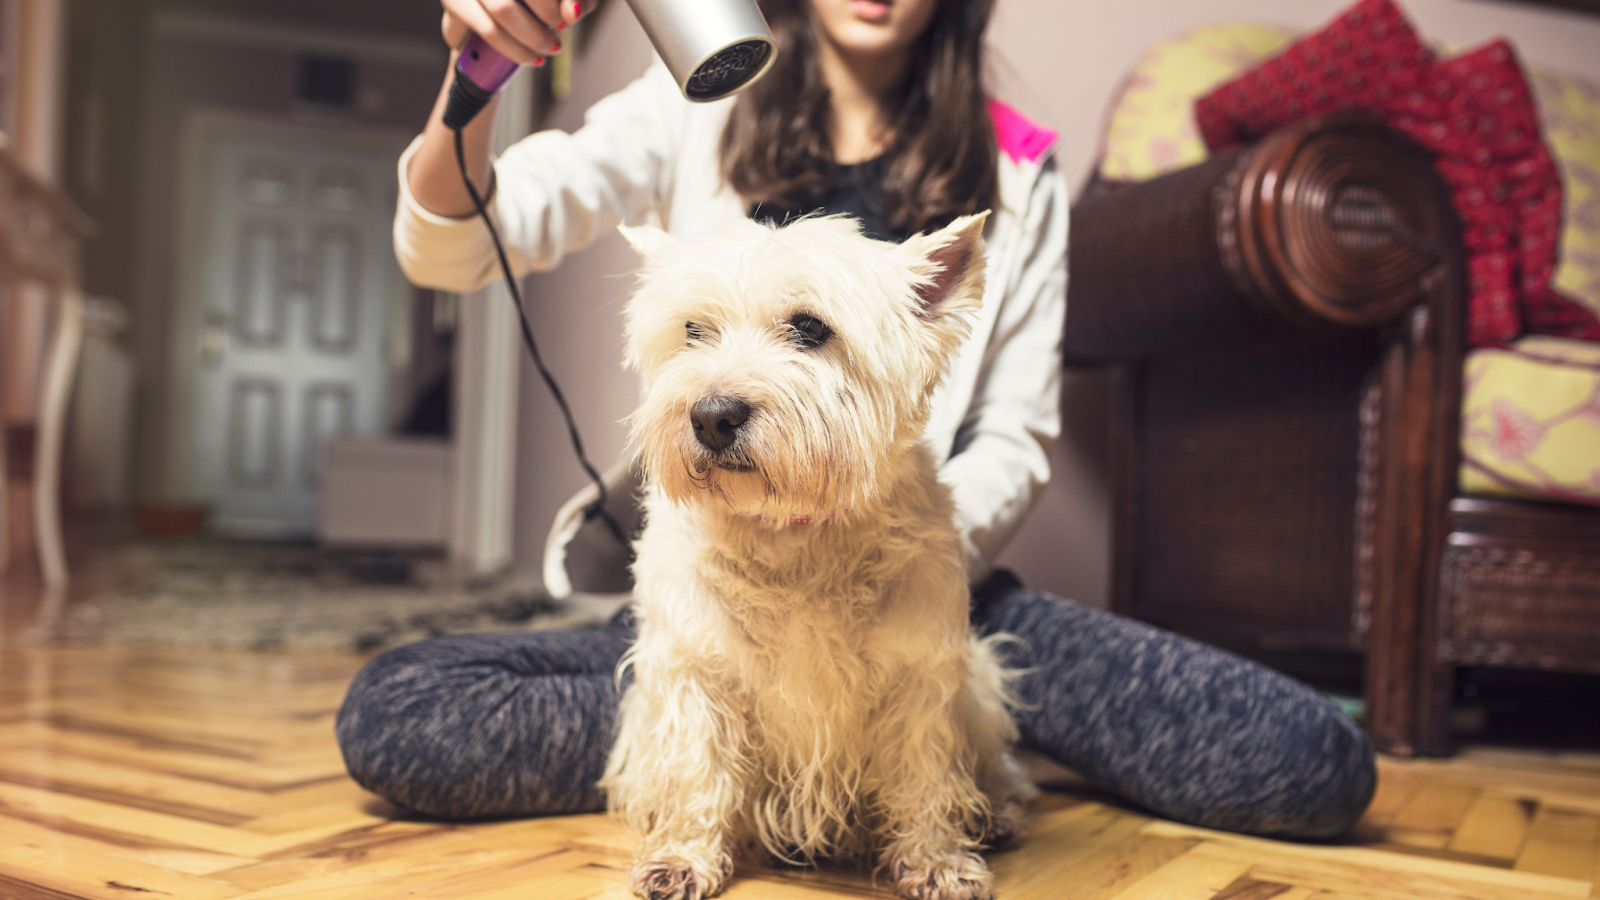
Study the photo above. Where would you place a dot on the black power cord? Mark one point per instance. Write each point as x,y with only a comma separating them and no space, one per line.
598,507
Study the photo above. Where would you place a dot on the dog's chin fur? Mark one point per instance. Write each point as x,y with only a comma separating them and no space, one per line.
805,679
739,484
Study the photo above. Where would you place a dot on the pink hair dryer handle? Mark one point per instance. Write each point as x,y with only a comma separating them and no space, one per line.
480,71
484,66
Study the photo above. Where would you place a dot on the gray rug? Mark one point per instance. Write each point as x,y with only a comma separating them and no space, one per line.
265,596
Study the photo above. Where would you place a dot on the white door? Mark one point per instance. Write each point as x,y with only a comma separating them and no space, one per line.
295,283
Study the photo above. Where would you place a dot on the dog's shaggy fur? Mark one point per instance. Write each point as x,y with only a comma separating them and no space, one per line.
805,679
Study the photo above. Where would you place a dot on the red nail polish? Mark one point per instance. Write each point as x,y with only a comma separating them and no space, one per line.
556,49
561,26
538,60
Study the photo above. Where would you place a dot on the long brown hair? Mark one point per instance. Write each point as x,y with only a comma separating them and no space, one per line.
941,158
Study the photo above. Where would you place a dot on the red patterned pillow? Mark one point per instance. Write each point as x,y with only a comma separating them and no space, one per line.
1473,112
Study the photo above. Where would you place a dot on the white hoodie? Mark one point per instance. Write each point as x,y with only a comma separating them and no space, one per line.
645,153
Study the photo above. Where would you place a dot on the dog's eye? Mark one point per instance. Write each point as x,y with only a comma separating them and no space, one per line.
693,331
809,331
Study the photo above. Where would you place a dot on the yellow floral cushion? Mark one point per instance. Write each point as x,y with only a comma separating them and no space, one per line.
1152,130
1530,421
1570,107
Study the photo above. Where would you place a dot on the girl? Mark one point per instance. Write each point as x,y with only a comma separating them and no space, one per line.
874,108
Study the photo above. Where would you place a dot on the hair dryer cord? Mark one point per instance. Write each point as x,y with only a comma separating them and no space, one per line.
598,507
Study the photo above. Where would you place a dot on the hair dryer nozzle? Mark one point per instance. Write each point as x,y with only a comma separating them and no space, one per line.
712,47
728,70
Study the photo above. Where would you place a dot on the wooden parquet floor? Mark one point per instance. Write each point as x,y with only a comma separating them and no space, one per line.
135,773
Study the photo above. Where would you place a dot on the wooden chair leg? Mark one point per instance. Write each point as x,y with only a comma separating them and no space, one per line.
6,462
5,505
1408,688
16,504
1408,705
55,396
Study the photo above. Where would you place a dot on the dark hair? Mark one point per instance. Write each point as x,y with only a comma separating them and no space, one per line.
941,158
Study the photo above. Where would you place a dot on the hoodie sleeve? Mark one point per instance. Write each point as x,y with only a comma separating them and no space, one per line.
553,191
1001,458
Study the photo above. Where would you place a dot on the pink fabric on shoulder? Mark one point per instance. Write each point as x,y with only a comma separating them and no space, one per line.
1018,136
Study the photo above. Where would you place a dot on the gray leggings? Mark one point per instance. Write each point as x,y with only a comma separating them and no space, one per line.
502,725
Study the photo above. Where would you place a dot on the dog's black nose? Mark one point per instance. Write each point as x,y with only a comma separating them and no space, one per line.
717,420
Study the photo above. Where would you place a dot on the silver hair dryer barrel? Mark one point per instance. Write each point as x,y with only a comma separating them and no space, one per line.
713,48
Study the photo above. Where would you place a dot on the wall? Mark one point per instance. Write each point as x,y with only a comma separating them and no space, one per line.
1057,62
576,314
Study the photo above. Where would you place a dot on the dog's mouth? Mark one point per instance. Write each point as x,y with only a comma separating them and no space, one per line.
703,466
733,458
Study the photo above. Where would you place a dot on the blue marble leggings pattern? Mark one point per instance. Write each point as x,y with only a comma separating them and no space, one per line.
506,725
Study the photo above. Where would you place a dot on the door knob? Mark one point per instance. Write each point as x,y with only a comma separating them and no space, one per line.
213,339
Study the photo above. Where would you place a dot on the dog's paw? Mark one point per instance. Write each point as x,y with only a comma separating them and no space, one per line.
1004,824
677,879
955,876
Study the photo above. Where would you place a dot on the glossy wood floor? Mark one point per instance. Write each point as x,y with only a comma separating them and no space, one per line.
129,773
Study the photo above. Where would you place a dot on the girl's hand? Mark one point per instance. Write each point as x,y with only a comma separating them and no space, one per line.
523,30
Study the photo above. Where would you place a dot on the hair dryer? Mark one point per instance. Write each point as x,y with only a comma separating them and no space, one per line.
713,48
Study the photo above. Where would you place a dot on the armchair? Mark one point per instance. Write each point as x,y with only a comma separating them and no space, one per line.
1287,325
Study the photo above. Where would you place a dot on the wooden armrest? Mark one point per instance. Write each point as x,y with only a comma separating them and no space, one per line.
1335,221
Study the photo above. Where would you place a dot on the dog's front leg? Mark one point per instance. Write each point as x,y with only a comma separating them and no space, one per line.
673,777
922,776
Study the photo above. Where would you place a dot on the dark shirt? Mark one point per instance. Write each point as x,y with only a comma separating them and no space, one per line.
858,192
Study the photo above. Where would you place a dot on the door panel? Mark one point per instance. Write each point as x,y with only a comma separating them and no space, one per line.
335,289
261,296
329,410
296,280
255,433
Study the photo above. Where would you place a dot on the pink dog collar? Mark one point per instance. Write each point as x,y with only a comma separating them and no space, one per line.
810,520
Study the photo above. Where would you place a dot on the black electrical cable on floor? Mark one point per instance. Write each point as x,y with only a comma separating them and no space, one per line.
598,507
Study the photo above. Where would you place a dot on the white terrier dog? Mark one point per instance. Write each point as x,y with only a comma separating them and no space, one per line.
805,676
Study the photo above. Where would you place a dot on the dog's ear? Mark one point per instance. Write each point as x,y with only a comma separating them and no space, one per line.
647,240
952,259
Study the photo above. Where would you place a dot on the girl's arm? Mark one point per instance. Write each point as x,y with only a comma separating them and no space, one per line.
432,176
1001,461
553,191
